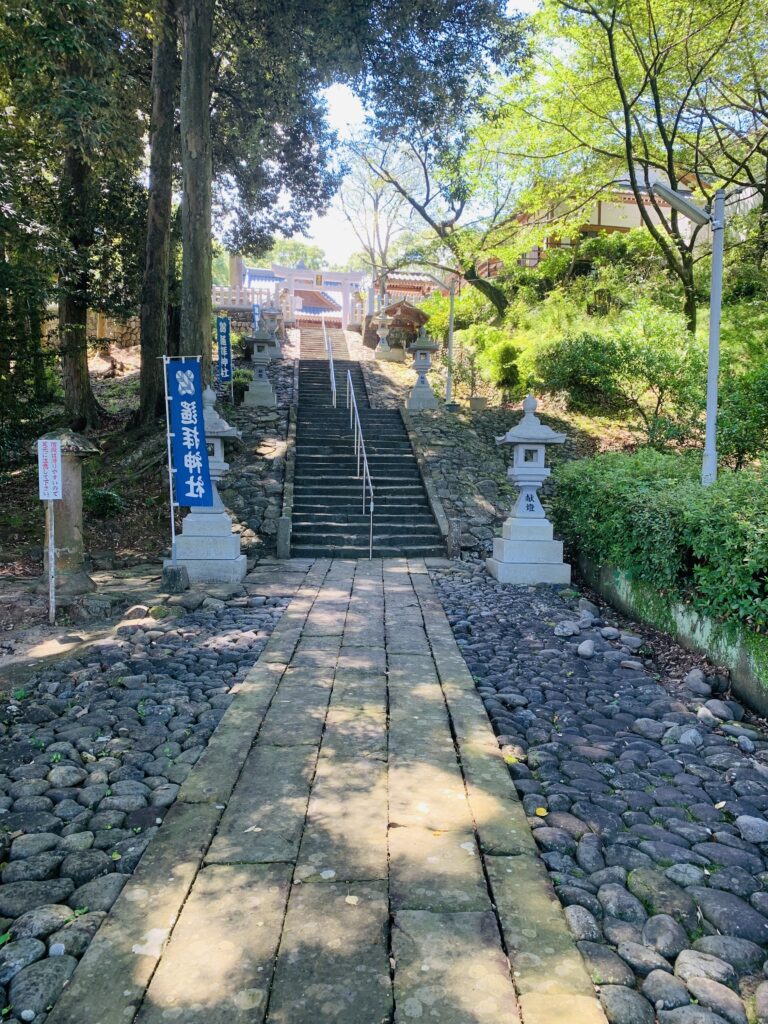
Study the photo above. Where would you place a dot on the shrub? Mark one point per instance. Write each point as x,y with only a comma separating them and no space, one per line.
102,503
742,423
498,364
643,362
648,515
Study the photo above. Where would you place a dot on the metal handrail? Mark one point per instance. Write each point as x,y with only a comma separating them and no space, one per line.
361,456
329,352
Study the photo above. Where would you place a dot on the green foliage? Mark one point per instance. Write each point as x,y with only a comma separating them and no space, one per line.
470,309
290,251
643,362
485,349
498,364
102,503
648,515
742,422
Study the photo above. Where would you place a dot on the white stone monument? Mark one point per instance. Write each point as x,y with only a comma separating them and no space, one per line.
260,393
207,547
526,552
422,396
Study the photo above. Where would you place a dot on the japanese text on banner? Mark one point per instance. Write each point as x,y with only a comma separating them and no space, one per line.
256,316
192,478
225,348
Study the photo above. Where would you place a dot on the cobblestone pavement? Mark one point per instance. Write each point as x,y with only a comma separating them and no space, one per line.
93,751
349,848
647,798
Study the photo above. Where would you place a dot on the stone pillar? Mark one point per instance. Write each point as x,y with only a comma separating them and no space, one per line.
345,297
527,552
71,576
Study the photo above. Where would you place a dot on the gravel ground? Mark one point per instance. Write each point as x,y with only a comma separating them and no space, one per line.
92,753
647,797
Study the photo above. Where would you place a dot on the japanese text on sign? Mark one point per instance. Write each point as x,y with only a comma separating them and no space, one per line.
225,348
49,469
256,316
192,478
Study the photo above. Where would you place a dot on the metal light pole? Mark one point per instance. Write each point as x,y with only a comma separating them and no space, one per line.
709,464
716,220
449,376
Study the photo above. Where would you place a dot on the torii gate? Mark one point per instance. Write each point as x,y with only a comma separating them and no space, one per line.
301,278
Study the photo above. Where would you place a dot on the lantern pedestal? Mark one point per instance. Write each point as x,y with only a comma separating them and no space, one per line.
207,548
526,552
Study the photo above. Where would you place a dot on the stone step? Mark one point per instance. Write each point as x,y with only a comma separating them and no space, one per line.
360,550
383,518
343,535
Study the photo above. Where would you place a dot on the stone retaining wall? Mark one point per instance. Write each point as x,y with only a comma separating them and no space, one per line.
252,490
744,653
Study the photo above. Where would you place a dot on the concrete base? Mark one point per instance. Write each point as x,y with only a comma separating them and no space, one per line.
526,553
213,570
522,573
422,398
391,355
208,549
261,395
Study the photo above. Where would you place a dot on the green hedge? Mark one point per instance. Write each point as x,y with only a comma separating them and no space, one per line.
648,515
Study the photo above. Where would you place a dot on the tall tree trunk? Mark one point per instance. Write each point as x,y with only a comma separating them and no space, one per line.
492,292
197,29
81,408
154,291
689,292
761,244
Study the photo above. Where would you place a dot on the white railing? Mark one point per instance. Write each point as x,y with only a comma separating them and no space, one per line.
329,352
362,458
225,296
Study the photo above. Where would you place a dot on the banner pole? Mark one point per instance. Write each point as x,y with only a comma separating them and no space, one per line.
51,566
166,360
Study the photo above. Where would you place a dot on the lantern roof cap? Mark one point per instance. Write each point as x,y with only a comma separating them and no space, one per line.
423,343
72,443
261,335
530,429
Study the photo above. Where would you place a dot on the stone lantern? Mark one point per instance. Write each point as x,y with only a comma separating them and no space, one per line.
206,547
422,396
271,316
71,576
383,351
260,391
526,551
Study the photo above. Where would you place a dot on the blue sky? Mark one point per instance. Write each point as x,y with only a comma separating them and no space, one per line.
345,113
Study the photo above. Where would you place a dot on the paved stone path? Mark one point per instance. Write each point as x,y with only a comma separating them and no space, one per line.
349,847
647,797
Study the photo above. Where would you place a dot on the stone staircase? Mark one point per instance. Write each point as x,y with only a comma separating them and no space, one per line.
328,518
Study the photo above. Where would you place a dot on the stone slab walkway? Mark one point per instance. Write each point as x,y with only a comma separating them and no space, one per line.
349,848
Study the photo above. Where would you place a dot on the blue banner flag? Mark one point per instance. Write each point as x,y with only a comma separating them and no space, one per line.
191,475
256,316
225,348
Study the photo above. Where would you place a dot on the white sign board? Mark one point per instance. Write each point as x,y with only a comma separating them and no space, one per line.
49,469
